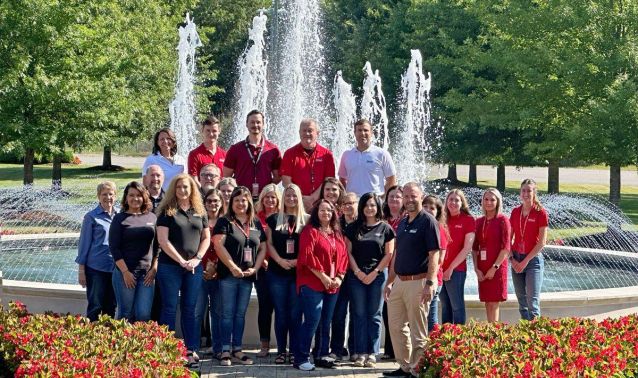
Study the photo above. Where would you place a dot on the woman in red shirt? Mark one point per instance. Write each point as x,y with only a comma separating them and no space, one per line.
433,205
461,226
490,251
529,226
321,266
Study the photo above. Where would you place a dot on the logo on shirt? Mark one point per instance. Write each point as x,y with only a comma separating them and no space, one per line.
458,226
197,216
412,231
378,234
319,160
150,224
532,220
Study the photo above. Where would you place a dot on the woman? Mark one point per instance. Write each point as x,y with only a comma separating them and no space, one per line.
461,226
490,251
226,187
209,297
282,236
348,209
433,205
267,205
321,266
131,240
529,226
393,212
370,245
184,237
165,155
95,262
240,243
332,190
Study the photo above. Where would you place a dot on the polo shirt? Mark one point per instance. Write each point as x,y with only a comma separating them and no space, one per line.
201,156
458,226
280,239
235,242
414,240
307,170
170,168
368,243
93,246
184,232
240,157
157,200
366,171
526,229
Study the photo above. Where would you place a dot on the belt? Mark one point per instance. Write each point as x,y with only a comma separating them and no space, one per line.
414,277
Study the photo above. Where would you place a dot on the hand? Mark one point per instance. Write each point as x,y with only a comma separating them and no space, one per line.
386,291
82,278
428,293
193,263
210,273
490,273
249,272
264,264
360,276
129,279
149,278
326,281
519,266
236,271
307,202
293,263
447,275
479,275
286,264
336,283
367,280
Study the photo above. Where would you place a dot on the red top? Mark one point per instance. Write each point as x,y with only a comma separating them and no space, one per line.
201,156
458,227
210,254
443,243
241,157
526,229
492,236
308,169
316,252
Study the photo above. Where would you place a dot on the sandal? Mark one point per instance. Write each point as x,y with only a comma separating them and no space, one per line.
242,358
224,360
291,358
280,359
263,352
192,360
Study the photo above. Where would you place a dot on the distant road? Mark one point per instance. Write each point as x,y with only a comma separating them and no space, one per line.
571,175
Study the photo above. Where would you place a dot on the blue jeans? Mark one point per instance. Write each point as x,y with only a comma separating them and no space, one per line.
433,313
317,308
99,293
339,320
283,291
452,299
235,296
527,285
133,304
177,282
366,302
209,298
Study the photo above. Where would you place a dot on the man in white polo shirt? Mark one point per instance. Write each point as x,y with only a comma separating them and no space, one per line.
366,168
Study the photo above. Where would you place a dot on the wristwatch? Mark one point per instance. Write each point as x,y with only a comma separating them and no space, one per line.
496,266
429,282
198,257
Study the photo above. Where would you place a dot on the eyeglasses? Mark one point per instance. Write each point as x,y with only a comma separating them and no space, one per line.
209,175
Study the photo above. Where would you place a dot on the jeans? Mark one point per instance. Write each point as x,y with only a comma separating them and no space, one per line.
452,299
209,298
366,302
235,296
339,320
177,282
317,308
133,304
527,286
283,291
433,313
265,305
99,293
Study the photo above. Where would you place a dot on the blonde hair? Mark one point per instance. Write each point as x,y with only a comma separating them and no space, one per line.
301,218
227,181
499,200
532,183
169,204
106,185
465,208
267,189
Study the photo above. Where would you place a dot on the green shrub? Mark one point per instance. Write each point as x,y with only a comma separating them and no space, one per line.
12,153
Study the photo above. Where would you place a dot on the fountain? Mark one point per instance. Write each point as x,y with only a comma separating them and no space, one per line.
346,109
373,106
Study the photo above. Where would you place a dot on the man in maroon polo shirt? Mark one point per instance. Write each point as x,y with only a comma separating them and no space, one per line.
307,163
253,162
207,152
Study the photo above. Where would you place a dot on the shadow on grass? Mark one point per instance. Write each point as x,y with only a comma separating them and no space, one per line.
11,174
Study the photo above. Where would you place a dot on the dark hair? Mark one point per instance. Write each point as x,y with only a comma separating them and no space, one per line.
362,204
171,135
387,215
314,216
253,112
436,201
335,181
241,191
362,121
147,205
218,193
209,121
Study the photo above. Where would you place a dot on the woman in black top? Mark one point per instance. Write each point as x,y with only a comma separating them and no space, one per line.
240,243
370,244
282,235
131,241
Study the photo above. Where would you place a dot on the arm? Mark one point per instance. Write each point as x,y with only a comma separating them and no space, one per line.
204,243
227,172
308,201
224,256
129,278
261,255
353,264
167,246
270,247
385,261
84,244
344,181
275,176
391,277
462,256
433,268
502,256
389,182
542,240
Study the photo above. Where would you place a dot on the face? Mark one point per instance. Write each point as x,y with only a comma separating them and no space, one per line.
349,205
210,133
154,179
209,177
226,190
412,198
325,213
363,135
370,210
308,133
290,199
182,190
528,192
213,203
165,143
255,124
134,199
240,204
269,201
107,198
454,203
431,208
331,193
395,200
489,202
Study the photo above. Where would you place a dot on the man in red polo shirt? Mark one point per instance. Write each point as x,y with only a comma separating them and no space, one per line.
307,163
207,152
253,162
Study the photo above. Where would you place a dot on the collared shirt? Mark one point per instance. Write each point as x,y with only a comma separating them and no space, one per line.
526,230
202,156
170,168
240,159
320,252
184,232
458,226
156,200
307,170
366,171
93,246
415,239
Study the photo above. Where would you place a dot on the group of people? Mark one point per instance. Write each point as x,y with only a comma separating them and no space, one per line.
331,248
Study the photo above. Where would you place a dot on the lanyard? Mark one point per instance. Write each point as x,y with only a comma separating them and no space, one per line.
333,244
522,225
483,236
313,158
291,229
253,158
245,231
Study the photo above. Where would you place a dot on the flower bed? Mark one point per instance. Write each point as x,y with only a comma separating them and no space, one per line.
568,347
54,345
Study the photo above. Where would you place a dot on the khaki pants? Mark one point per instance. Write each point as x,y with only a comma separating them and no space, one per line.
405,308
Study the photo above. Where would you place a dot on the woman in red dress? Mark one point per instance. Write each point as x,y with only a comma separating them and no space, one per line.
490,252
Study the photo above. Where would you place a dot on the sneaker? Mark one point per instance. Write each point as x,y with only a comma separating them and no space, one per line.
306,366
225,359
371,361
326,364
192,360
353,357
333,356
360,361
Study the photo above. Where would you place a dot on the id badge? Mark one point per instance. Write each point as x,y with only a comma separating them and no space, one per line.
483,254
520,247
290,246
248,255
332,270
255,189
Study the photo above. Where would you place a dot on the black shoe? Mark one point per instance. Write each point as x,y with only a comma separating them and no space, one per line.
325,364
396,373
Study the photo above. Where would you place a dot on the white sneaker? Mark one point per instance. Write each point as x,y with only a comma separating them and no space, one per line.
371,361
360,361
306,366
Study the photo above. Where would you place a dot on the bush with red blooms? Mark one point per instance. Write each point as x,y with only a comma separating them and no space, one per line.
51,345
567,347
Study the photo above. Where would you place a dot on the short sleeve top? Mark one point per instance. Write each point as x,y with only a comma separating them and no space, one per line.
184,232
132,239
526,230
415,239
458,226
280,240
368,243
239,237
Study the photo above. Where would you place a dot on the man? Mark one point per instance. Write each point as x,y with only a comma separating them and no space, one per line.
307,163
208,152
153,180
253,162
366,168
412,282
209,177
